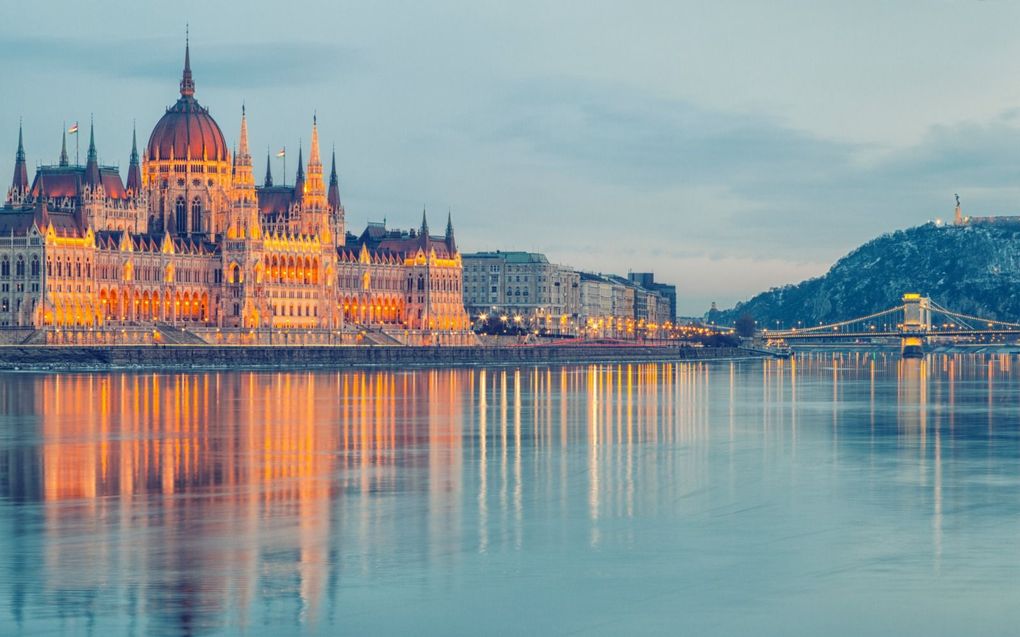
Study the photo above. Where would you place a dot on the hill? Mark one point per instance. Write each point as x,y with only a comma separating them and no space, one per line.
974,269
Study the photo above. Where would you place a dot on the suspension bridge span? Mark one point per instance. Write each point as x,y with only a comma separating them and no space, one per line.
916,322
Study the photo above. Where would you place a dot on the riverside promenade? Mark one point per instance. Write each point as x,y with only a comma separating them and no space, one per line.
190,357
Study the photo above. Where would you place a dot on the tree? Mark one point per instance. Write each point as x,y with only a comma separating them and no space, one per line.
745,325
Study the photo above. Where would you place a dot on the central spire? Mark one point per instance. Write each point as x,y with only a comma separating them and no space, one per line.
187,84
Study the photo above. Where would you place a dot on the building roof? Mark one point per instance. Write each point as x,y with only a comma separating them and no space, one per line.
509,257
187,129
275,201
376,237
59,182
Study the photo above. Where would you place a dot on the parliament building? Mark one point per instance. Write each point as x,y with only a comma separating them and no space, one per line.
190,249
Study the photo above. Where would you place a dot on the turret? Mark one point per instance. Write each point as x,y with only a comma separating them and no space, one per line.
92,177
450,242
19,184
316,189
246,212
134,176
333,198
42,212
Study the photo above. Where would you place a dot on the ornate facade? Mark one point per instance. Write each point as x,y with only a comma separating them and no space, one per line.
189,248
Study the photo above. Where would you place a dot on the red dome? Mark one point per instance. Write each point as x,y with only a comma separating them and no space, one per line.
185,127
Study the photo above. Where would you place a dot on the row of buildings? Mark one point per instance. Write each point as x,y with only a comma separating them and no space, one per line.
551,298
189,248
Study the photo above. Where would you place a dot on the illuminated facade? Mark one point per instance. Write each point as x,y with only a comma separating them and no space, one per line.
190,249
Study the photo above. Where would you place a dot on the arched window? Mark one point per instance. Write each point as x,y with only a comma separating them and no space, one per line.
181,214
5,268
35,266
196,215
20,266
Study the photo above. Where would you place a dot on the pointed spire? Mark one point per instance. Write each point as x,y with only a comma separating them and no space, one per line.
63,147
20,181
243,151
134,178
333,198
269,169
92,140
187,83
313,155
21,145
451,243
299,180
424,223
92,163
134,143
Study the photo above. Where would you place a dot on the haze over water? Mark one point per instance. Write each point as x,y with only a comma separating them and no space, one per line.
831,494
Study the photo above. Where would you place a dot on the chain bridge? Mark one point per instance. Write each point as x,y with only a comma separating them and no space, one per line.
915,322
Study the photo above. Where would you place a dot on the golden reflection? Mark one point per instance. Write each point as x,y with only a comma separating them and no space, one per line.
297,476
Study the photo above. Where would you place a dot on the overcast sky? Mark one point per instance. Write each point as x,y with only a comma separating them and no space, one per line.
728,147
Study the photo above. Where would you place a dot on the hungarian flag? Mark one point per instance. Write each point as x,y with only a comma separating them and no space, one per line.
73,130
282,152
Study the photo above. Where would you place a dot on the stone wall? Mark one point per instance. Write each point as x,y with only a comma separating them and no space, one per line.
84,357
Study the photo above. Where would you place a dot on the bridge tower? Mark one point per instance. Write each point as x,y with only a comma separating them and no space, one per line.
916,325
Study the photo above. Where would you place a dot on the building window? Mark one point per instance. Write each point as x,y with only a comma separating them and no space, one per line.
181,214
196,215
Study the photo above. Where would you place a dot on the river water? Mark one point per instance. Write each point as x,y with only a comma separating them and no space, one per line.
830,494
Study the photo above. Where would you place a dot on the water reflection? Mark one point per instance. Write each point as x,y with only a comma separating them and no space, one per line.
196,503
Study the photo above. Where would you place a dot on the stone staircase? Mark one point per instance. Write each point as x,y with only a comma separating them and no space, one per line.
376,336
176,336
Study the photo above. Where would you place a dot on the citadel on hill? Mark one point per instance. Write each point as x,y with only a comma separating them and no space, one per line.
190,241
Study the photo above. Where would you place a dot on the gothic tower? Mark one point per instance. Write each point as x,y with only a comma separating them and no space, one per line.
19,184
336,208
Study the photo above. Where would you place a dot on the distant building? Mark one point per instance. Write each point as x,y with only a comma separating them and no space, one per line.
522,283
665,290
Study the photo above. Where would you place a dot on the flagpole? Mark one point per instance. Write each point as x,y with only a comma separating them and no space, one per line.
76,163
285,166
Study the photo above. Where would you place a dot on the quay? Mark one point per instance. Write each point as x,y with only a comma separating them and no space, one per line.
213,357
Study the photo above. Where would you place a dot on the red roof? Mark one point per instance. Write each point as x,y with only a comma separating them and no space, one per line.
187,127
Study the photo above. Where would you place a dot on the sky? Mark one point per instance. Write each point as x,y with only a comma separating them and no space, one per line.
729,147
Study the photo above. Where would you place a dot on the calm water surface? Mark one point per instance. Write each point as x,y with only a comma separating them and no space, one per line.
837,495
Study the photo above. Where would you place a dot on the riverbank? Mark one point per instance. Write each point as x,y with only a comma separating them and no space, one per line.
191,357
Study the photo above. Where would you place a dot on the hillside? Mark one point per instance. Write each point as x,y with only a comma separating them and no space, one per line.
971,269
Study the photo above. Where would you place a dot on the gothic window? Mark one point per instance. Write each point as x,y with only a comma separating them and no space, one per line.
181,214
20,267
35,266
196,215
5,268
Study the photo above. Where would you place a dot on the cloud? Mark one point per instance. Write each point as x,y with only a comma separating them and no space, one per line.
277,64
